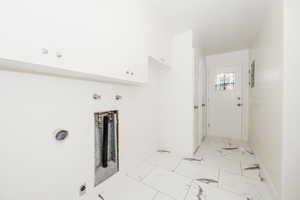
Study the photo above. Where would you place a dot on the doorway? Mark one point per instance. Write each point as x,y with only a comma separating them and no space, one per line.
225,102
199,102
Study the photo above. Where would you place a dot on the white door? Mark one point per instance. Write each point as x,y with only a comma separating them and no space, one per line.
225,102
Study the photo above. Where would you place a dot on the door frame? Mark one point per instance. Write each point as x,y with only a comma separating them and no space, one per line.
200,99
204,100
244,96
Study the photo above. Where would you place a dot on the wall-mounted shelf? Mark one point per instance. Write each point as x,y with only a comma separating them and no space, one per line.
17,66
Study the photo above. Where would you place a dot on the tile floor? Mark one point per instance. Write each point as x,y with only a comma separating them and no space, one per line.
166,176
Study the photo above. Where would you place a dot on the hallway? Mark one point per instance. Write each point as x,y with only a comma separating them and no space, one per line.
165,176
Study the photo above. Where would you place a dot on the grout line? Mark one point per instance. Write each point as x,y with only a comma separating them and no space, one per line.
177,174
148,174
168,195
133,178
219,178
241,168
187,177
155,195
225,189
152,188
176,167
158,191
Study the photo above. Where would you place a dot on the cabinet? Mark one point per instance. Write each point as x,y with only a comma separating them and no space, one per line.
100,40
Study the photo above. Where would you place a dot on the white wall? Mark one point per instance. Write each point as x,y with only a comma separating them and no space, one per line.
178,97
156,115
236,58
33,164
265,128
291,137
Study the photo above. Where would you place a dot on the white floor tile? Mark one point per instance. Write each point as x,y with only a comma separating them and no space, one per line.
240,185
246,157
233,166
161,196
232,154
168,182
165,161
211,193
140,171
121,187
211,151
165,176
196,170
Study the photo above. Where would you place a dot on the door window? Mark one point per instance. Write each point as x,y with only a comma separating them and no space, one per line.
225,81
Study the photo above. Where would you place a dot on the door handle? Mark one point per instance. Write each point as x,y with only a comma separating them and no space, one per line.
203,105
196,107
239,104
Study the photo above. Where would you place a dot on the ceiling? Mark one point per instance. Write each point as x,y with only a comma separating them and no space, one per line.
221,25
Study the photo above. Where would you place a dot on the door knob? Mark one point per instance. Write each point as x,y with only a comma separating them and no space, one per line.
239,104
196,107
203,105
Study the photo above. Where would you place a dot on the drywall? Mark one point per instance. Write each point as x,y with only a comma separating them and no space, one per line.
291,108
236,58
265,128
33,164
177,92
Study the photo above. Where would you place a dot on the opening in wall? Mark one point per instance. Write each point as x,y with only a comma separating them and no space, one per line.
106,145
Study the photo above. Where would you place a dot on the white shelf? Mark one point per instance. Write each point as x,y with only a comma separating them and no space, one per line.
8,65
